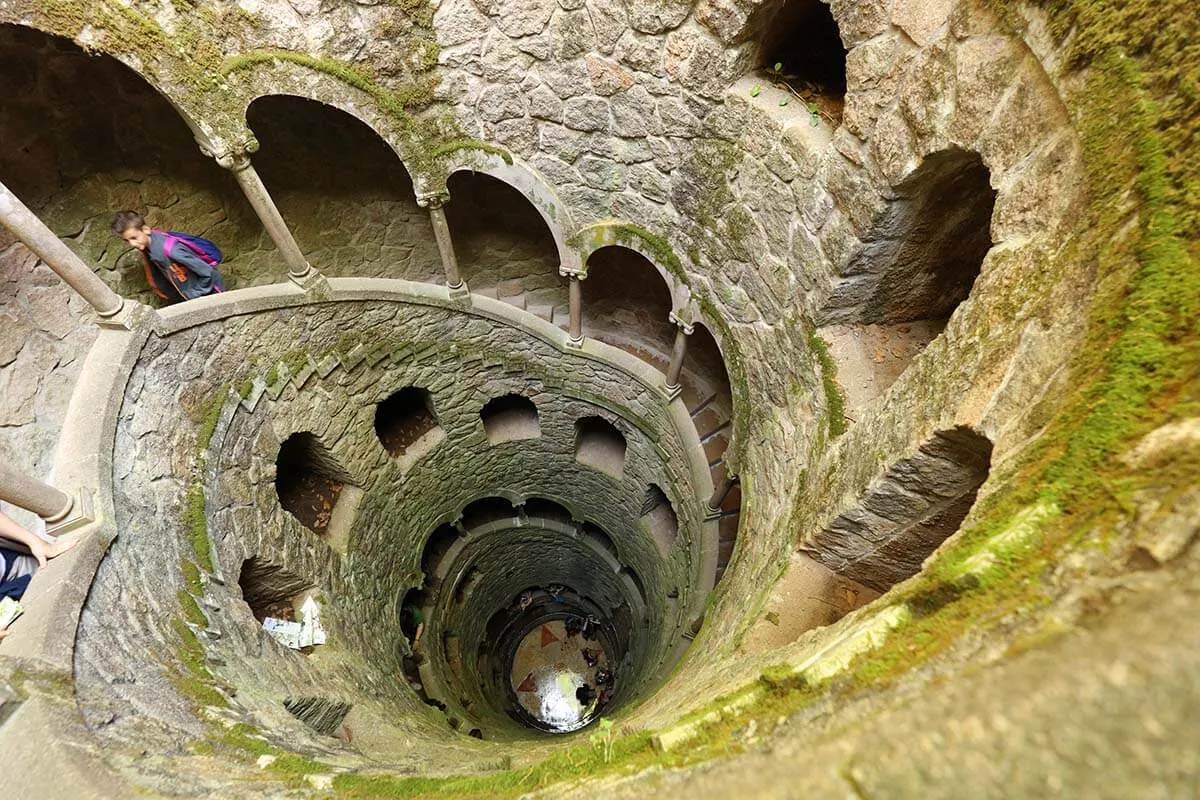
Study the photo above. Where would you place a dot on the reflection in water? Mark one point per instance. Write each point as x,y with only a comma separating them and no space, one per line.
549,670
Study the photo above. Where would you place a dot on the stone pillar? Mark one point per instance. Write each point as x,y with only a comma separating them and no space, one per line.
52,505
720,493
575,299
25,225
238,162
682,332
441,230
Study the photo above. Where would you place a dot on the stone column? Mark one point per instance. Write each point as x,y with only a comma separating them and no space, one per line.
441,231
25,225
55,506
575,299
238,162
720,493
682,332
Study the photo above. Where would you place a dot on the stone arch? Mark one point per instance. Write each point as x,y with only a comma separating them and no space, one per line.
505,247
510,417
707,391
86,134
656,251
404,418
525,180
627,305
281,77
601,445
348,199
902,517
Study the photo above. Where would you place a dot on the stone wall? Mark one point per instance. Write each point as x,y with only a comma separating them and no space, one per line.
42,348
254,380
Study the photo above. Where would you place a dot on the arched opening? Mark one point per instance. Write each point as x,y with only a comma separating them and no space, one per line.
801,49
706,391
659,517
906,514
917,264
541,509
509,418
406,423
84,137
310,482
632,576
599,445
345,194
598,538
504,248
626,303
487,510
437,546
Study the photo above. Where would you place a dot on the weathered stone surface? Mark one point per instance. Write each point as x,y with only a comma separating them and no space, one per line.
13,334
586,114
656,16
521,17
498,103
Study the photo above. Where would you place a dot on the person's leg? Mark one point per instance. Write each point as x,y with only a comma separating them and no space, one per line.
15,588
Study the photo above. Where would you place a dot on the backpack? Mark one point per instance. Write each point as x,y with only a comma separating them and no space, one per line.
209,252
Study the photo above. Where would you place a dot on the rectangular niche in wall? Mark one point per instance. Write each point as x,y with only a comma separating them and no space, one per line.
271,590
659,518
599,445
509,418
407,425
315,489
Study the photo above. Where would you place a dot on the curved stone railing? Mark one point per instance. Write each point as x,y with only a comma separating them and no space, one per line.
44,643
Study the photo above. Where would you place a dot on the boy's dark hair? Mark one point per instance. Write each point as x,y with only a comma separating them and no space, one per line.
126,220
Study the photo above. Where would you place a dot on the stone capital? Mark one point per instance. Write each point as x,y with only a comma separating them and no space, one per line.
681,321
234,158
572,272
433,199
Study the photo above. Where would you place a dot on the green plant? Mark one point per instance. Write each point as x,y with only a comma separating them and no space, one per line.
602,738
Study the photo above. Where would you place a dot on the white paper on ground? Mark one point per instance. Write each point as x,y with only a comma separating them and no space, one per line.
285,632
311,631
298,634
9,610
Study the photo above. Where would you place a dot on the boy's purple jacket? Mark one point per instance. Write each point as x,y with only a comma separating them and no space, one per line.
196,278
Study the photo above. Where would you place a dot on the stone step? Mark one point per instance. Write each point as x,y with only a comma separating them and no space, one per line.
517,300
545,312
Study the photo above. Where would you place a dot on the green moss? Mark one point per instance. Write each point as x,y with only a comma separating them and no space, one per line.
835,401
193,578
191,610
395,104
295,360
245,388
245,738
212,416
189,675
639,238
196,524
444,149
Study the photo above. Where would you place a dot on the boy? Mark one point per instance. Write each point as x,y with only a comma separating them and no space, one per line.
175,268
15,567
